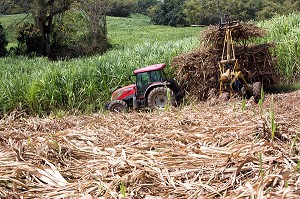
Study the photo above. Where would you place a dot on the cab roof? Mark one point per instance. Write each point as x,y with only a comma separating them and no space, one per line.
149,68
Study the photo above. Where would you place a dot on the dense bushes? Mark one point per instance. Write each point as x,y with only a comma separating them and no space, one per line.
30,41
144,5
168,13
121,8
61,33
205,12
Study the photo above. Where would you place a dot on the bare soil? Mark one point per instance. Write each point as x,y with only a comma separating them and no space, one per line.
209,150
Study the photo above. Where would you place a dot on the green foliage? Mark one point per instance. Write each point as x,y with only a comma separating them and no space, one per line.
138,29
169,12
261,101
122,8
284,31
40,86
30,40
44,13
244,100
203,13
62,34
14,6
123,189
3,42
144,5
81,31
209,12
298,165
272,8
284,88
69,28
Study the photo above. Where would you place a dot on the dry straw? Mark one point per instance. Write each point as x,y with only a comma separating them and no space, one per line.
198,71
211,150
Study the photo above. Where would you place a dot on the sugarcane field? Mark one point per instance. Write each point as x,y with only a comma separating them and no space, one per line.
174,99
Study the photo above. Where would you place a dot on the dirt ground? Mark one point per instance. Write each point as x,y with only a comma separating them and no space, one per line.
208,150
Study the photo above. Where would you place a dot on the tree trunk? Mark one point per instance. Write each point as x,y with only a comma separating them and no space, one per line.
46,10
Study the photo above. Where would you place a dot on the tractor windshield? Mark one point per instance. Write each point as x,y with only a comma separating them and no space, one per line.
144,80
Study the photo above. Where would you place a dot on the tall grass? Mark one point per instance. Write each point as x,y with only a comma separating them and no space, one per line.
284,31
85,84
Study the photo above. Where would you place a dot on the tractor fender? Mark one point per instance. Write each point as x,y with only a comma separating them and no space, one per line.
128,100
155,85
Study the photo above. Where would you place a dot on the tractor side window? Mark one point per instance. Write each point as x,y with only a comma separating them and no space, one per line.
157,76
143,80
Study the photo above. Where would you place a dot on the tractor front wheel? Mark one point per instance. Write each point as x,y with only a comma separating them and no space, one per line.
118,106
158,98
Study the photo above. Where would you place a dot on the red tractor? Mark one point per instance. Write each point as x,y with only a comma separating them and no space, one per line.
152,89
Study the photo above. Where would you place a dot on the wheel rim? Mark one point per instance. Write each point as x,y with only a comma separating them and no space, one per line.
160,101
117,108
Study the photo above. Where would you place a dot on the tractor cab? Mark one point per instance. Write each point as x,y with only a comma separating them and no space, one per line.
147,77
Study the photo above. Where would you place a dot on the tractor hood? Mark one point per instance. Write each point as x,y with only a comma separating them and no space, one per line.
123,93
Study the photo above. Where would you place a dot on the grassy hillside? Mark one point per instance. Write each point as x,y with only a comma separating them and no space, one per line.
138,29
42,86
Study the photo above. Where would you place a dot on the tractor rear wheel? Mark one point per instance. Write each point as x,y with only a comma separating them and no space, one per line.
118,106
256,86
158,98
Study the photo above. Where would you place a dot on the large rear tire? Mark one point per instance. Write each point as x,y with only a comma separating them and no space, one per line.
256,86
158,98
118,106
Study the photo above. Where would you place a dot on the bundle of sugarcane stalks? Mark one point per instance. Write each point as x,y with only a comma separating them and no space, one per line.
198,72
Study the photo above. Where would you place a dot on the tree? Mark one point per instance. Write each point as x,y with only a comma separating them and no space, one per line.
168,12
121,8
30,40
50,37
3,42
14,6
209,11
202,12
94,12
275,7
144,5
44,12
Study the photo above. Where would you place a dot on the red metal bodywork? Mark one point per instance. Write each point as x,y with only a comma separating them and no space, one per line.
123,93
150,68
129,91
